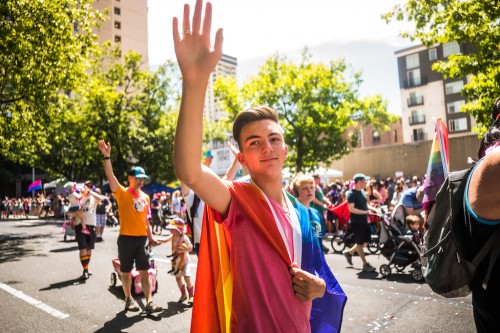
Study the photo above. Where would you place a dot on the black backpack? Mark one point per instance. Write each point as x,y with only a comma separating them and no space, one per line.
449,272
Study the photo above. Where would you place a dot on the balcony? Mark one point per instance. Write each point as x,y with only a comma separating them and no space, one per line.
415,82
419,137
416,120
414,101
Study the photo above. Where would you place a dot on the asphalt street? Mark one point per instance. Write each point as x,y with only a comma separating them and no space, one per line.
40,290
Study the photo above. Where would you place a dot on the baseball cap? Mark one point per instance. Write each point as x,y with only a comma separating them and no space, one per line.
360,176
138,172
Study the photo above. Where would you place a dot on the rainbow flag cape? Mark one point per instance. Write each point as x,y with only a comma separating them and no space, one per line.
36,185
437,169
214,278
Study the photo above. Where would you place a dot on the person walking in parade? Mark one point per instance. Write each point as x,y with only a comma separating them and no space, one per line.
293,290
135,231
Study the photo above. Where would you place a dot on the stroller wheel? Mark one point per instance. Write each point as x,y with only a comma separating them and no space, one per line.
417,274
338,244
112,279
385,270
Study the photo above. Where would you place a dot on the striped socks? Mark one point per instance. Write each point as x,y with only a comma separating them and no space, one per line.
85,260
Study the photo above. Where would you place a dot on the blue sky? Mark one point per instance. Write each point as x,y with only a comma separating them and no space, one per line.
253,30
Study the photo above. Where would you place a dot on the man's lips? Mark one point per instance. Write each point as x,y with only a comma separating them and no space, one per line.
269,159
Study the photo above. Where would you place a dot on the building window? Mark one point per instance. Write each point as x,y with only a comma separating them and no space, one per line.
433,55
459,124
118,25
417,118
450,48
419,134
117,11
454,87
376,137
415,99
454,107
395,136
412,61
414,78
118,39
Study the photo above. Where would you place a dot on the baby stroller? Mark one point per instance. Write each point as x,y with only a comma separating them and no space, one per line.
399,249
136,278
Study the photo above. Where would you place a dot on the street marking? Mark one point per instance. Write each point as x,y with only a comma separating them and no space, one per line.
35,302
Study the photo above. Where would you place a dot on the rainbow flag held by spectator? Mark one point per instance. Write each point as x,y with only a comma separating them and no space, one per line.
36,185
437,169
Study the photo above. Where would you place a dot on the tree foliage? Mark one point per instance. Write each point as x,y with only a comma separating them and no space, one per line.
42,57
126,105
464,21
316,102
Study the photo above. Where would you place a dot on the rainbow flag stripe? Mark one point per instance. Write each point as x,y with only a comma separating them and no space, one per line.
437,169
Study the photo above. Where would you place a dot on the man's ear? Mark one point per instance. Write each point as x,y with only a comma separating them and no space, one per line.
241,159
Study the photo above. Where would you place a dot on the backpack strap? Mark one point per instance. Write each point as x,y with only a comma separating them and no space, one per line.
487,247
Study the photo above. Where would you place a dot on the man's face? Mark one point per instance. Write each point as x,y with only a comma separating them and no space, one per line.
135,182
263,148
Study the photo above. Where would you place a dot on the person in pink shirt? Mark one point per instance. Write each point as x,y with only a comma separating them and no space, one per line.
274,268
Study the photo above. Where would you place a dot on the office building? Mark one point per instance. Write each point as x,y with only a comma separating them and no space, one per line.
127,24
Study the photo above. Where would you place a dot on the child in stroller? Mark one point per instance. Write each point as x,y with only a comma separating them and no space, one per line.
397,245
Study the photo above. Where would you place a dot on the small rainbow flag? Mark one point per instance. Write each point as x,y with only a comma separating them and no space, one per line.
36,185
437,169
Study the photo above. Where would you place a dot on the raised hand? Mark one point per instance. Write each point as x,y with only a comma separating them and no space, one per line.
194,51
105,148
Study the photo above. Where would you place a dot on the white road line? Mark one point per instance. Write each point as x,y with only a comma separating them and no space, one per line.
35,302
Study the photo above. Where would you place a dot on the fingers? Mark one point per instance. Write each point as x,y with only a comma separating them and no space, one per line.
218,41
186,21
175,30
196,16
207,21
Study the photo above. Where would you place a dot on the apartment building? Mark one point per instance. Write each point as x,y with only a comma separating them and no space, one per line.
127,24
425,94
225,68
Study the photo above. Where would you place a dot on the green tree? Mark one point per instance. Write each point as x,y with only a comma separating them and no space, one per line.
126,105
317,102
44,47
471,21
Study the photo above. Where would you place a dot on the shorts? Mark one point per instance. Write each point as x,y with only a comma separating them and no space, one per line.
74,209
361,233
85,242
100,220
130,249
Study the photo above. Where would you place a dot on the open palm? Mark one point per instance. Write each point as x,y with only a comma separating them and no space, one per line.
194,51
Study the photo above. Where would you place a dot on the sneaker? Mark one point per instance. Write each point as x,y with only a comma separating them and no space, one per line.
368,268
85,275
131,305
182,298
348,256
152,307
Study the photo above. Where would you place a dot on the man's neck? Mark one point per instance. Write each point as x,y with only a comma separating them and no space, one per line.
272,188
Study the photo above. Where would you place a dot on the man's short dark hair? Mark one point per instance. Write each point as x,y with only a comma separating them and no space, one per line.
250,115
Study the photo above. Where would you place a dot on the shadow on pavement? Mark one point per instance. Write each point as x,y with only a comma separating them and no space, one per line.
120,322
174,308
15,246
64,284
65,249
394,277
